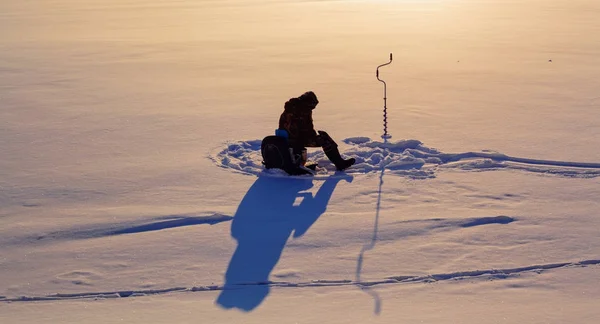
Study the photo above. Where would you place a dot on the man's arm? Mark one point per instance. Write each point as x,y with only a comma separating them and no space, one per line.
310,136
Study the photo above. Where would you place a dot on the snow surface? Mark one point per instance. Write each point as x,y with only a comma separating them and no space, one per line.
408,158
131,185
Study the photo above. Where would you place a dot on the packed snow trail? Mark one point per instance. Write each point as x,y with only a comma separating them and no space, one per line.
487,274
407,158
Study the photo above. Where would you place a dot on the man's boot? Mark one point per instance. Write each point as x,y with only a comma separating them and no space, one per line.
331,150
333,154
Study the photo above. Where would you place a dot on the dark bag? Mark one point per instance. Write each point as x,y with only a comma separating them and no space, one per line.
276,153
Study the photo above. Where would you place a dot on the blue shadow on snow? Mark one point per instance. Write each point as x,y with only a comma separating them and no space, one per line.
180,221
271,211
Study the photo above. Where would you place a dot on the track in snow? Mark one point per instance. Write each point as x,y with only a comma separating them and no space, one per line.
488,274
408,158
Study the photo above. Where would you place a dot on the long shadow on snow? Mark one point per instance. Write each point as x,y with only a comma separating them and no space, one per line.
135,227
265,219
180,221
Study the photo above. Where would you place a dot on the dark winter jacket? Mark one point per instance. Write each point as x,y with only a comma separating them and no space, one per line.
297,120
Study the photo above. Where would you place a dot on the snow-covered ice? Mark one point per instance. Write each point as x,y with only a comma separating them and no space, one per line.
408,158
131,184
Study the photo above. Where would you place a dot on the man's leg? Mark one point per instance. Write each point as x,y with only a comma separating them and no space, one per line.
330,148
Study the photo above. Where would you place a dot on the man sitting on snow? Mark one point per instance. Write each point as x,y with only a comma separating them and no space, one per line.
297,121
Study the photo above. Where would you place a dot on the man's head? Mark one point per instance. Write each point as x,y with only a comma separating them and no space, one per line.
309,99
292,104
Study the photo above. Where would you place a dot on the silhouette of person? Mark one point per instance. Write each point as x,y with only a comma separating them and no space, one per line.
296,119
262,225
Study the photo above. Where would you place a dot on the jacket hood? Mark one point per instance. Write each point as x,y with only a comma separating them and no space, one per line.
309,99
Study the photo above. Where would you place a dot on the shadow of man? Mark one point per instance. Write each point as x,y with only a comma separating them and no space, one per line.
272,209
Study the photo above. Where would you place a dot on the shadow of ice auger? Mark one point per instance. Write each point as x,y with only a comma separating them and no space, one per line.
266,217
370,246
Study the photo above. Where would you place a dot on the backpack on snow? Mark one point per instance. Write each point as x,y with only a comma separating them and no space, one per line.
277,153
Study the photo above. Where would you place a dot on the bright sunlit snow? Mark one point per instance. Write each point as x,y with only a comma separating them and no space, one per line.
132,187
